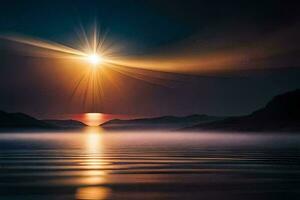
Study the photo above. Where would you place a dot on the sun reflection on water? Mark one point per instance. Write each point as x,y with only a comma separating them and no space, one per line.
93,140
95,176
92,193
94,150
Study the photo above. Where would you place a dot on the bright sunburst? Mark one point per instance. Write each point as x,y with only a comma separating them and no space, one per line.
102,59
95,59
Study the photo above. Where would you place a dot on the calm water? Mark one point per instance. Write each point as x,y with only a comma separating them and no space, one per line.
161,165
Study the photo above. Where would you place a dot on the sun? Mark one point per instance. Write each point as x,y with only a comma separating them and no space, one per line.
95,59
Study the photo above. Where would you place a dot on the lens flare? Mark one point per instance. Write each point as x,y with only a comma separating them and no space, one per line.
95,59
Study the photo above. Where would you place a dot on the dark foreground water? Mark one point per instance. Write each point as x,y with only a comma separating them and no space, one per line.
97,165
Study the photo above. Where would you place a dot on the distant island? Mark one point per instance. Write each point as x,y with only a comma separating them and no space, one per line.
282,113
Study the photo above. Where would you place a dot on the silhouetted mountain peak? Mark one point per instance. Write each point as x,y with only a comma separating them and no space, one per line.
282,113
19,121
281,107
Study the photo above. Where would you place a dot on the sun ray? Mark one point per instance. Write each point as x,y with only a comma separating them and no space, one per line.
99,59
139,77
53,46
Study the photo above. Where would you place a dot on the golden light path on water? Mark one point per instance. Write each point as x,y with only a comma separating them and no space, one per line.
94,176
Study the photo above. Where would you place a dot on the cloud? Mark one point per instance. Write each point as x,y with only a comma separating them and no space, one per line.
231,51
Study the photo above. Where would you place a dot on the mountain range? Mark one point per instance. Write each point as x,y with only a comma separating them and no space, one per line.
21,121
159,123
282,113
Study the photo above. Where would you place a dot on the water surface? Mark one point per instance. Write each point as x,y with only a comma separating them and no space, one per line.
149,165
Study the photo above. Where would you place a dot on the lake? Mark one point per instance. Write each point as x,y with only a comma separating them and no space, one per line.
93,164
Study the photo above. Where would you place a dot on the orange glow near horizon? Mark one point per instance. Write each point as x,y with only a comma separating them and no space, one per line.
92,119
86,118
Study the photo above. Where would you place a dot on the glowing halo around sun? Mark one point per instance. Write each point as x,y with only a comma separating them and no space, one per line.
95,59
91,47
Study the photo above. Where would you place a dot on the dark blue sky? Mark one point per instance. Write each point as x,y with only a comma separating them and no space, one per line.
143,24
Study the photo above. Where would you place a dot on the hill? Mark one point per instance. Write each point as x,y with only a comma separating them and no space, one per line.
67,124
21,121
282,113
165,122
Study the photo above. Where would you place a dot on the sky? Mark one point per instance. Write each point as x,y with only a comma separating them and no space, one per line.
168,57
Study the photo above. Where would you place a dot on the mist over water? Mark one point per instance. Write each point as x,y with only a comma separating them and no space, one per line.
149,165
